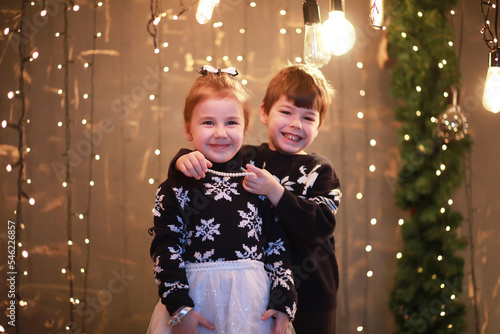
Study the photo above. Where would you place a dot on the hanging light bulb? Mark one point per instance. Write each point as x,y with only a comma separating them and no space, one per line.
491,95
377,14
315,51
205,10
340,32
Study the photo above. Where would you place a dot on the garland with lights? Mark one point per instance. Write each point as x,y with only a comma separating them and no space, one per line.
429,273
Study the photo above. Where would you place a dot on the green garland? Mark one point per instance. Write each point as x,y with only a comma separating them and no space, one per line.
429,275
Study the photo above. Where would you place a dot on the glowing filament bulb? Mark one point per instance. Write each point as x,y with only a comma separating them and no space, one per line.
377,13
491,95
340,32
205,10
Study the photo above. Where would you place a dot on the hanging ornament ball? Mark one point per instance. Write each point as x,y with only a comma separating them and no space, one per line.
452,124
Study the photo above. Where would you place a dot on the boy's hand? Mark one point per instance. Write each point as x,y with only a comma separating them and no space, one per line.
193,164
281,320
261,182
190,322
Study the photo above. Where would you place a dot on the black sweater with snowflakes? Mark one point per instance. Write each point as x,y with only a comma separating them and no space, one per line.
307,213
215,219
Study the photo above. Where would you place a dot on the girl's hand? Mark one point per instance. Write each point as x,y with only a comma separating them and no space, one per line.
190,322
261,182
281,320
193,164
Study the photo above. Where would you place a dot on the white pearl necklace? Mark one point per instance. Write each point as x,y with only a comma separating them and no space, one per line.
223,174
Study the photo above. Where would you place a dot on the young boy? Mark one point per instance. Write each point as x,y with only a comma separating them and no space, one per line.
303,188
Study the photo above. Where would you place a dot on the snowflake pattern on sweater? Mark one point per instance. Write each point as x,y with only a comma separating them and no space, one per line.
211,220
307,212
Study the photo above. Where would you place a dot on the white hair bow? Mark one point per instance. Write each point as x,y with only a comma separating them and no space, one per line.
207,68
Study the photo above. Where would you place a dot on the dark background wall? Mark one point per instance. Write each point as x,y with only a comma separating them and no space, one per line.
129,126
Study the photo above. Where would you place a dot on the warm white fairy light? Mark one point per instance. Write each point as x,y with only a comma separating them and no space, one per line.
372,168
81,216
360,115
373,221
359,328
25,254
208,58
401,222
166,69
438,172
368,248
157,151
440,258
418,88
442,210
152,97
239,58
399,255
282,31
151,180
70,243
282,12
87,241
373,142
448,228
359,195
64,184
450,201
369,273
31,201
97,157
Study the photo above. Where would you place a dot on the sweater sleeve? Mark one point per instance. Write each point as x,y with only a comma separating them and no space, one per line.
166,251
182,151
310,216
282,296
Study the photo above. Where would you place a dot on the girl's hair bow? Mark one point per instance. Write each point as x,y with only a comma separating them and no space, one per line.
207,68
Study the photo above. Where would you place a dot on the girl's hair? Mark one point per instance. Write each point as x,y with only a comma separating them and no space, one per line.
303,85
219,86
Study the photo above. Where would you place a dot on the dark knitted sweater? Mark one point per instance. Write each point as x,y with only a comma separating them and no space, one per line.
307,213
214,219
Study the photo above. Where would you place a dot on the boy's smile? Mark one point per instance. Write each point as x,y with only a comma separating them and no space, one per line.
290,129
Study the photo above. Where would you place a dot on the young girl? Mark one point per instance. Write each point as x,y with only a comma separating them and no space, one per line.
221,263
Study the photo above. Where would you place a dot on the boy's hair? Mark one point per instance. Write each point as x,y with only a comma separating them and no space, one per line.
303,85
219,86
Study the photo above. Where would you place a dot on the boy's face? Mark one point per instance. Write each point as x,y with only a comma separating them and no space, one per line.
290,129
217,128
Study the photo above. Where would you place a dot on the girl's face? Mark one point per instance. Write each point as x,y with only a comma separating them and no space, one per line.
290,129
217,128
